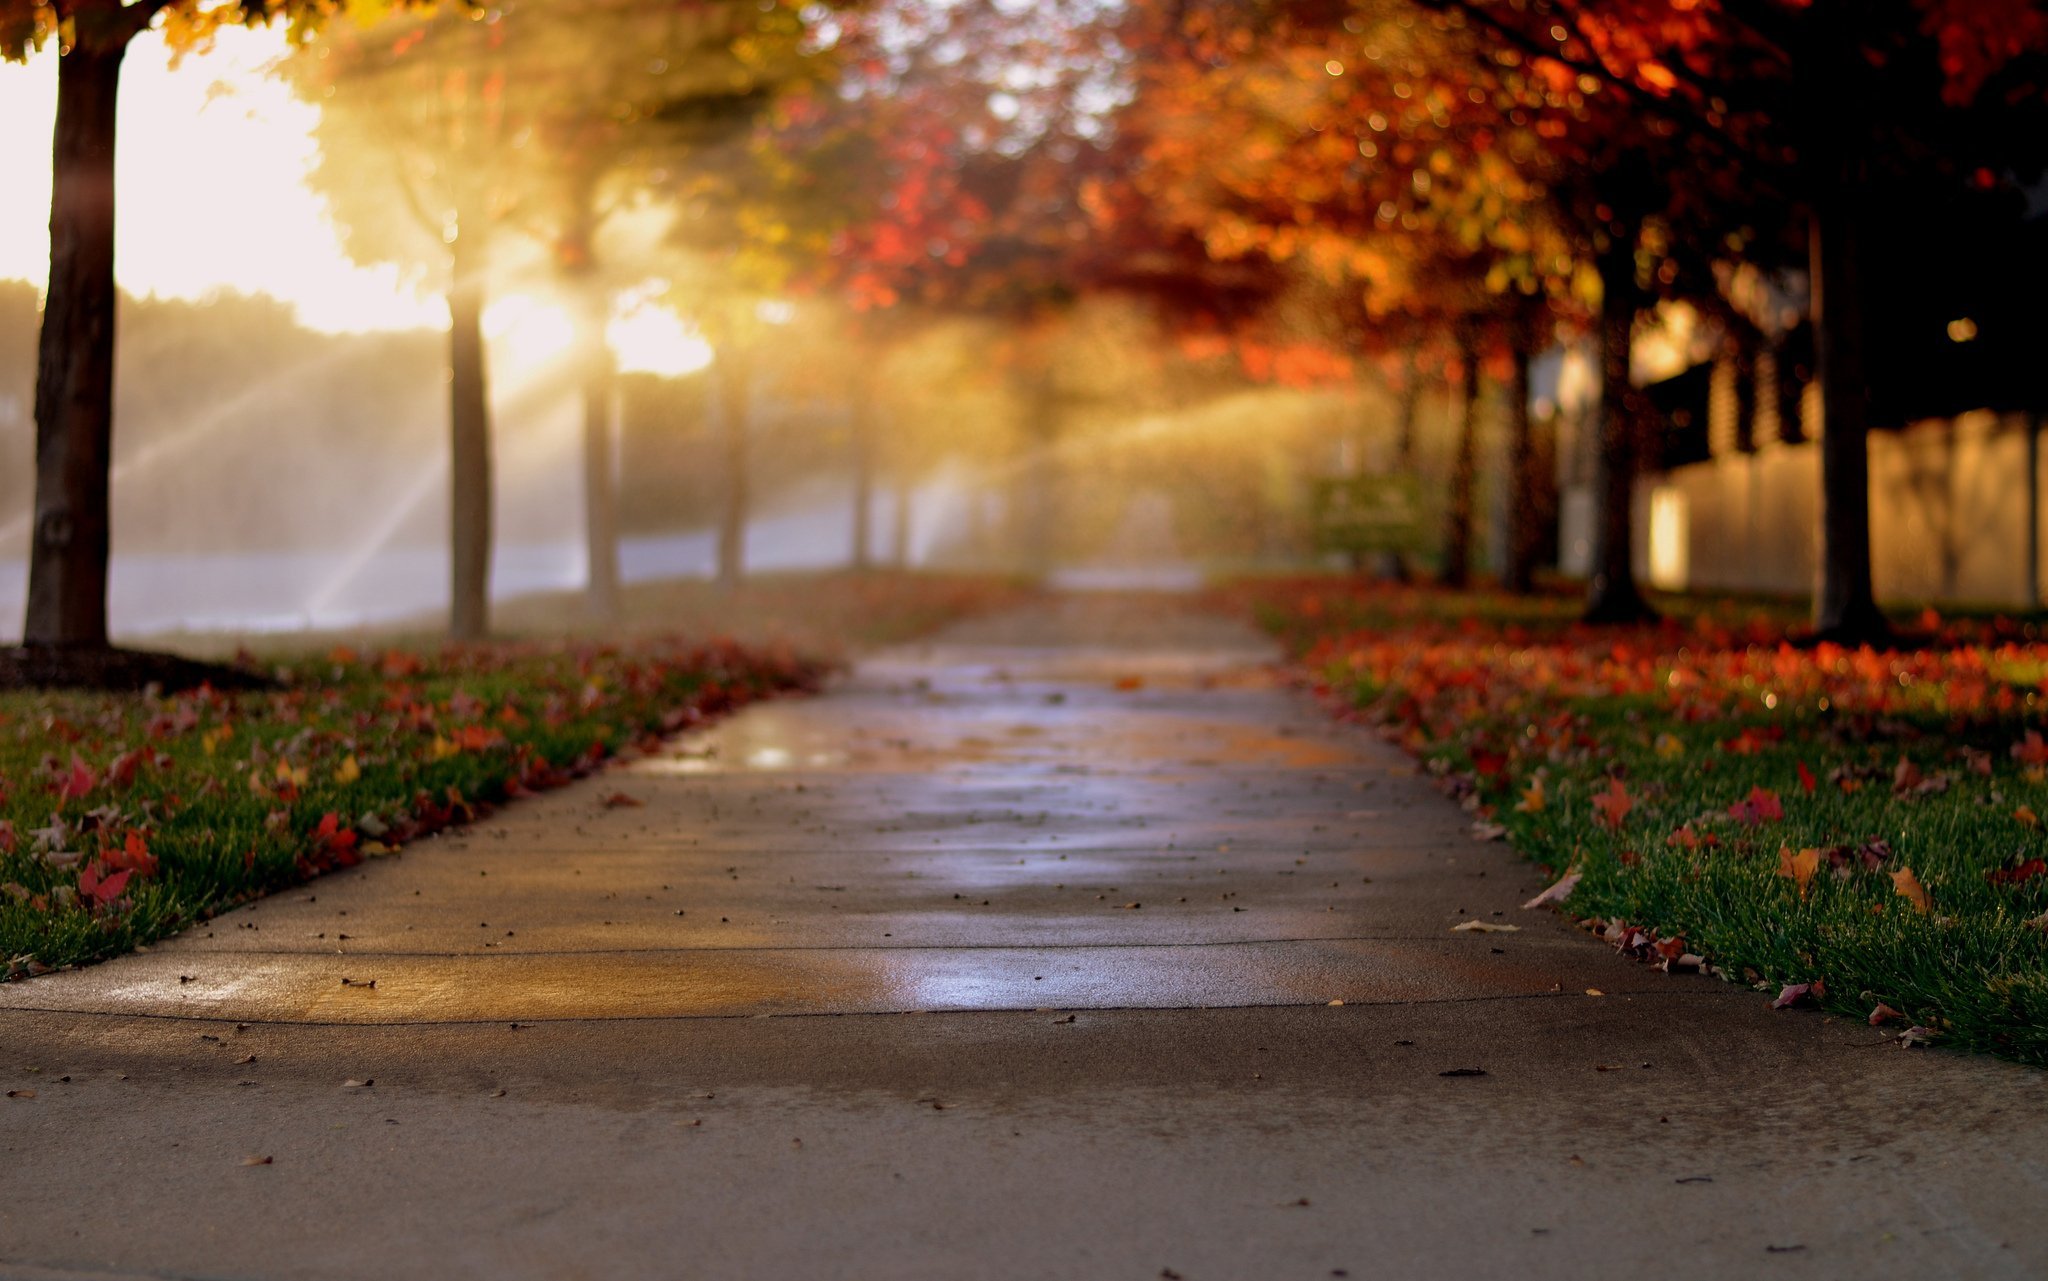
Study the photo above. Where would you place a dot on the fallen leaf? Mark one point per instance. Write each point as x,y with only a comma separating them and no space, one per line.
1797,993
1916,1036
353,1084
1557,893
1533,798
1594,991
1883,1014
21,1094
1488,831
1612,806
2026,815
1798,868
1807,782
1760,806
1484,927
1908,887
619,800
255,1160
1669,747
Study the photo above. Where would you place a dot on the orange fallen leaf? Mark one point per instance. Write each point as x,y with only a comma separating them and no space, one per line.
2026,815
1613,804
1798,868
1908,887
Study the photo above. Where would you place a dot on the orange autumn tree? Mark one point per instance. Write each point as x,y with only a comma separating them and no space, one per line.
1835,108
1374,158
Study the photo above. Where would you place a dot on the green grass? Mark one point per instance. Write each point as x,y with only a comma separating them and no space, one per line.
124,818
1688,719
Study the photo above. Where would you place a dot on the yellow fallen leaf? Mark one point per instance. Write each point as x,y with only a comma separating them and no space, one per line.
297,777
211,740
1594,991
1798,868
1669,747
1484,927
442,749
1533,800
348,771
1909,888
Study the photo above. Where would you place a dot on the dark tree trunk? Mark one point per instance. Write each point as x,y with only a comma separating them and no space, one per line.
1845,606
1520,574
1394,565
2031,424
863,471
67,578
735,375
1612,596
1457,566
600,481
899,534
469,422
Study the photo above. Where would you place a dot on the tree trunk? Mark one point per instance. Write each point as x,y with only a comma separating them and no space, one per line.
469,422
1457,566
1844,606
863,471
1394,564
735,374
1520,573
67,577
899,536
600,481
2031,424
1612,596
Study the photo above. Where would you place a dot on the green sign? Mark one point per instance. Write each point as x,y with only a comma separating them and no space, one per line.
1356,514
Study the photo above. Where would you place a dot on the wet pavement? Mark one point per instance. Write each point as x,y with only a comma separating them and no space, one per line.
1069,944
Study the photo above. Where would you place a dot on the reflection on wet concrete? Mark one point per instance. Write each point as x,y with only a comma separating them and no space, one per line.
1140,819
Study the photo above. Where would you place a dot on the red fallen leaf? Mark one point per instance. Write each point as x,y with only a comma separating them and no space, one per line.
1613,805
98,891
2025,871
619,800
477,738
1883,1014
8,840
1488,764
1807,782
122,770
2031,750
1758,807
133,856
78,783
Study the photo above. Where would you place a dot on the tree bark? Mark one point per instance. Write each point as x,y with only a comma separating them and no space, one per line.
2031,424
67,580
600,481
1520,573
899,536
735,374
863,471
1394,564
469,422
1612,596
1457,566
1845,605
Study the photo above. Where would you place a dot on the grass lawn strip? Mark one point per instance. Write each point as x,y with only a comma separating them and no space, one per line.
124,818
1854,830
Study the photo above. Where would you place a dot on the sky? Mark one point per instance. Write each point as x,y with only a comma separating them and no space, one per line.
211,166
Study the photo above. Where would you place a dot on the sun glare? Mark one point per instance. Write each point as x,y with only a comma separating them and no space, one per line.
648,338
213,156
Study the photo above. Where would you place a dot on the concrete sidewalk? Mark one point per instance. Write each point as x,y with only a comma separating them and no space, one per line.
1016,955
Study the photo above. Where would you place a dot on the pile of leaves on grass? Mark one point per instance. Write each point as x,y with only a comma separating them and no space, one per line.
1850,829
124,817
